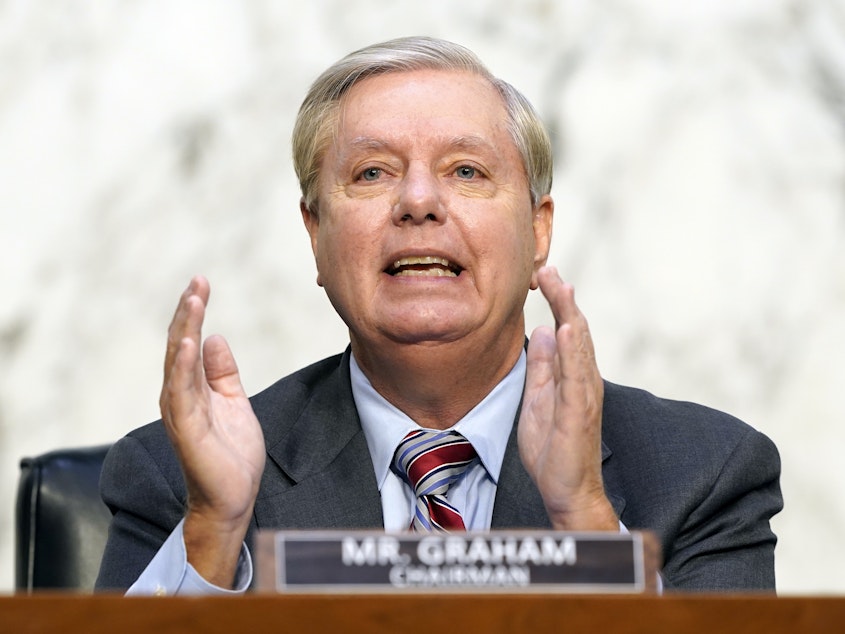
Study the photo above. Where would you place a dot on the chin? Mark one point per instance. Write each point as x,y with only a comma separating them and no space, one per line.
427,337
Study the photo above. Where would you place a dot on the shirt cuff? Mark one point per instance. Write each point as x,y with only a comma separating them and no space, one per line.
170,574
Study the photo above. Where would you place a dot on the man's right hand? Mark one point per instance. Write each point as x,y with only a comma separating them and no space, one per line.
216,435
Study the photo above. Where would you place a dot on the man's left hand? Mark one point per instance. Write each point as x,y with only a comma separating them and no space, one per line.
560,422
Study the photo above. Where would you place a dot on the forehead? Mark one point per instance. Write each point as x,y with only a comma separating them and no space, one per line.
422,104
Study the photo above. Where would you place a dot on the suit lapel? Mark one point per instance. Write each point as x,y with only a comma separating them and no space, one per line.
344,494
324,454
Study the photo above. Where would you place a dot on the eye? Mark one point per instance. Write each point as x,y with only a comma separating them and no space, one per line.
466,171
370,174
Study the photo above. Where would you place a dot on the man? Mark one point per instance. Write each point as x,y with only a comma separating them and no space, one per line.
425,192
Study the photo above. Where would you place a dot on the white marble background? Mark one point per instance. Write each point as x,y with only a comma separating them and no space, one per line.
700,190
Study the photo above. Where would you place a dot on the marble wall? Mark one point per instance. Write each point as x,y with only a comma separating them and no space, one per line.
700,188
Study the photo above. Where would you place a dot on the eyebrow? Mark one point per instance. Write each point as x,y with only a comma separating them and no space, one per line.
368,143
462,142
470,142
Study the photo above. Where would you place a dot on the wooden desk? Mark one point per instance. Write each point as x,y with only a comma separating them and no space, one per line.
411,613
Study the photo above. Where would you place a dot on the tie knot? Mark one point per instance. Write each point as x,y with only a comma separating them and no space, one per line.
432,460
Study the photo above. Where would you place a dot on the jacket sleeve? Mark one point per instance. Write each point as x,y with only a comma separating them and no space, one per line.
726,542
142,485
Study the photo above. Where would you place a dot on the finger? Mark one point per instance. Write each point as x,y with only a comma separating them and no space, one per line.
561,298
580,388
221,370
198,286
188,317
579,384
182,363
560,295
576,353
183,388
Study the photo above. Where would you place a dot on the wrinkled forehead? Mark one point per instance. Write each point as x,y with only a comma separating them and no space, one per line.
458,105
382,86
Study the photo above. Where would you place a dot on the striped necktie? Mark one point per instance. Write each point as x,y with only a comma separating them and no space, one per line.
431,461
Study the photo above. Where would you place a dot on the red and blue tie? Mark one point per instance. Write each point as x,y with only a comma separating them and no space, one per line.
431,461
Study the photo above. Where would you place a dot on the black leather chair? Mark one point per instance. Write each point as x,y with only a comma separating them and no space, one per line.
61,522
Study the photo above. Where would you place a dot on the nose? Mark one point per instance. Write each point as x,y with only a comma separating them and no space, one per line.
419,198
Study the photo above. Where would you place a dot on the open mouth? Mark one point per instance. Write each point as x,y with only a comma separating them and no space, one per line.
429,266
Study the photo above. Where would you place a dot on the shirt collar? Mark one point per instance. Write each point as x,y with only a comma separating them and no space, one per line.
487,426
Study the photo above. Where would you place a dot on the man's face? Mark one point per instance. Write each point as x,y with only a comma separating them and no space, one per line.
425,231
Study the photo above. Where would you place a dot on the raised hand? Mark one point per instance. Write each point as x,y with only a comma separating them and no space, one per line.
216,435
560,423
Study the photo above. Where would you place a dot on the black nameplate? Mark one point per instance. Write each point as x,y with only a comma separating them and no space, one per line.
513,561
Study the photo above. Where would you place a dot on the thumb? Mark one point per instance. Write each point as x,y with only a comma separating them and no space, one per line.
221,371
540,358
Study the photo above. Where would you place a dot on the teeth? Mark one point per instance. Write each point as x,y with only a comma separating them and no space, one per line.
427,259
426,273
445,271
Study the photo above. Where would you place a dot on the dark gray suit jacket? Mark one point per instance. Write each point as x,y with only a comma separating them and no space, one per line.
705,482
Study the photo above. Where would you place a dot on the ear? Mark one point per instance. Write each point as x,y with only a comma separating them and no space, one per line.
312,225
543,215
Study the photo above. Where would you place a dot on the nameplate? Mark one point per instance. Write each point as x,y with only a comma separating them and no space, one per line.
519,561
